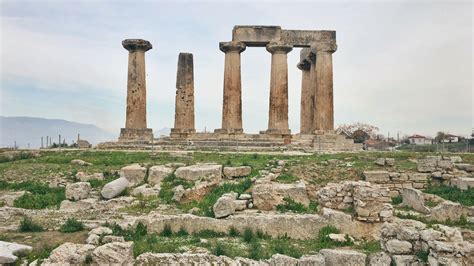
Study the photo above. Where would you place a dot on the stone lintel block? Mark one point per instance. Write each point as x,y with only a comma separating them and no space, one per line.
282,132
136,45
229,131
257,36
136,135
306,38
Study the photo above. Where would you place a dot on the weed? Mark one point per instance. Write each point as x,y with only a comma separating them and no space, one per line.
233,232
166,232
248,235
286,178
422,255
397,200
88,259
465,197
72,225
182,232
27,225
371,247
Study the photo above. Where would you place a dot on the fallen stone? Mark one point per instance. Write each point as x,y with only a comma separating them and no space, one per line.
178,193
78,191
225,205
414,198
395,246
146,190
380,161
463,183
245,196
135,174
456,159
9,252
450,210
69,253
337,257
240,205
267,195
83,177
101,231
465,167
390,161
404,260
77,206
312,260
279,259
93,240
446,164
114,253
9,197
110,239
114,188
340,238
157,173
377,176
80,162
206,172
239,171
379,259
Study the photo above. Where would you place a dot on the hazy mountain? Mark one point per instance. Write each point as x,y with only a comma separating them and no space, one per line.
26,130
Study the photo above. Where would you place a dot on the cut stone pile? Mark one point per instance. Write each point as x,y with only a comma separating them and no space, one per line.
448,170
371,203
229,203
403,240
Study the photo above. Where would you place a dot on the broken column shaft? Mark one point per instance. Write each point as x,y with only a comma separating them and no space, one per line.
184,106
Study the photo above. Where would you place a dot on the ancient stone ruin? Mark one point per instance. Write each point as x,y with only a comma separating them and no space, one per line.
317,108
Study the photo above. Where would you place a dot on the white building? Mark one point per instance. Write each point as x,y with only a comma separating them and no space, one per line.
419,140
448,138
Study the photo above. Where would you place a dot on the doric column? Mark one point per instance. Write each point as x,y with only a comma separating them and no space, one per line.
278,111
184,104
313,84
232,103
306,111
135,124
324,94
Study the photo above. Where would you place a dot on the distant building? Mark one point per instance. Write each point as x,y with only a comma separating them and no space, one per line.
419,140
448,138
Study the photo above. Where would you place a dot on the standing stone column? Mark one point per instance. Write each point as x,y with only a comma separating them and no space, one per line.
232,103
184,106
278,111
135,124
324,116
307,97
313,83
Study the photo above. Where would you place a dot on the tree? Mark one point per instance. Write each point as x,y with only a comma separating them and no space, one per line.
350,129
440,136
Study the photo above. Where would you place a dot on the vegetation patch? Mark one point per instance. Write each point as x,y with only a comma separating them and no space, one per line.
41,196
286,178
170,182
28,225
71,225
290,205
108,177
397,200
465,197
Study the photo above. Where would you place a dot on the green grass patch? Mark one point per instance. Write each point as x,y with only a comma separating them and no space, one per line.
465,197
422,255
28,225
290,205
108,177
71,225
286,178
41,196
170,182
370,246
397,200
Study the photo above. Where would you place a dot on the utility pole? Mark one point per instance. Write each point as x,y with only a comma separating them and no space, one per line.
41,142
14,146
59,142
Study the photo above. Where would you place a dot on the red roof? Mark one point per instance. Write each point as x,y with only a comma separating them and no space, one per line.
416,136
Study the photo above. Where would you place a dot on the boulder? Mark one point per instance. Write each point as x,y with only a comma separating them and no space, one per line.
93,240
380,161
115,253
101,231
395,246
390,161
377,176
414,198
245,196
114,188
80,162
135,174
379,259
10,251
178,193
430,235
463,183
69,253
206,172
146,190
267,195
427,165
225,205
78,206
239,171
83,177
404,260
78,191
157,173
240,205
337,257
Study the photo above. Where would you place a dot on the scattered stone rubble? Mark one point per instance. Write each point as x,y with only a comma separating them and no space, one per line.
370,202
229,203
403,239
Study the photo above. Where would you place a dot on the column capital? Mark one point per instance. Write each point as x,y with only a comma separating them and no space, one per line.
323,47
279,48
133,45
232,46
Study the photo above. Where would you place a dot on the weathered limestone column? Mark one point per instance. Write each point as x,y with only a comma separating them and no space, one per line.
184,105
313,84
135,124
307,96
232,103
324,116
278,111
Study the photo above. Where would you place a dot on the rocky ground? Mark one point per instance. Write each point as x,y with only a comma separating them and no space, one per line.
179,208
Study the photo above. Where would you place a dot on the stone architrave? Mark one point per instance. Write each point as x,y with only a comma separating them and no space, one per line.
232,102
135,124
307,95
278,110
184,106
324,115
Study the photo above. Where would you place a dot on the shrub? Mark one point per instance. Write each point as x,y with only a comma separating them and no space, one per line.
284,246
397,200
27,225
167,232
220,249
422,255
255,251
248,235
182,232
72,225
88,259
233,232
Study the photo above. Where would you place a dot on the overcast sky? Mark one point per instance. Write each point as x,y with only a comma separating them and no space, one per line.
400,65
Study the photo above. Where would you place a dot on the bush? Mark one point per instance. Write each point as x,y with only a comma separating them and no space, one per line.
182,232
422,255
248,235
397,200
233,232
27,225
167,232
72,225
219,249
